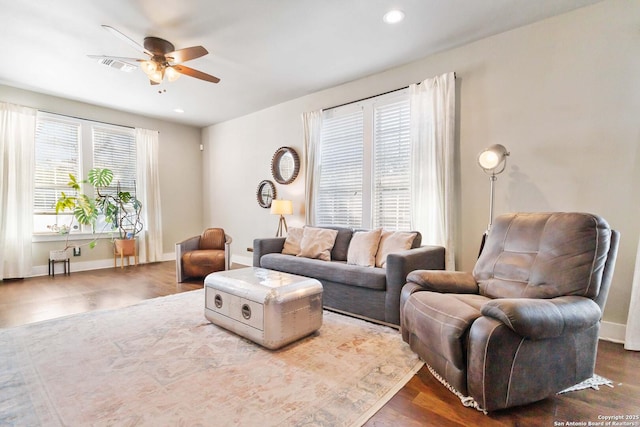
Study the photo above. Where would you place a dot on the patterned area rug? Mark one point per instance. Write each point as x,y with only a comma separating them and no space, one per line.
161,362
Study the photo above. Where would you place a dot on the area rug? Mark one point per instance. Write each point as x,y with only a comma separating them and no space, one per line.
594,383
161,362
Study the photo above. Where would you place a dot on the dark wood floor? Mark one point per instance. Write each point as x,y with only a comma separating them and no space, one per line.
422,402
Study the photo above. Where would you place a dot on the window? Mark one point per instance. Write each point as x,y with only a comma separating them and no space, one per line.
57,156
66,145
364,164
340,188
115,149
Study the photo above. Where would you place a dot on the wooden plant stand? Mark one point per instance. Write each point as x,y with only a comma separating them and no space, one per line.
124,248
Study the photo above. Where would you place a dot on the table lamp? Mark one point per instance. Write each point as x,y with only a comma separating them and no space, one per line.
281,207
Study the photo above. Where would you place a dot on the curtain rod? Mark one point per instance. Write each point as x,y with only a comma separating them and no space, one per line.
364,99
88,120
372,96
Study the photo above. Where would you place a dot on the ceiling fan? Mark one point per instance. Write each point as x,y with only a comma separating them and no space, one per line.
163,59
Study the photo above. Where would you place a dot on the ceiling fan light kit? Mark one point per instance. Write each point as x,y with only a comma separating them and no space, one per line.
163,60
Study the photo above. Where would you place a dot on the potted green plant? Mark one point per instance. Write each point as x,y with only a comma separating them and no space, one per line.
121,209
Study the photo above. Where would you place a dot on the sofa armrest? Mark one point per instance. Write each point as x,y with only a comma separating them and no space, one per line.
544,318
453,282
266,246
187,245
399,265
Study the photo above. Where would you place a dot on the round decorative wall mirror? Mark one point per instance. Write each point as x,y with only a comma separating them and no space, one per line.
285,165
265,193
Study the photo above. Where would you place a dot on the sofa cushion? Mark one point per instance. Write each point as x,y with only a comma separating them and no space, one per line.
212,238
529,256
334,271
393,241
343,239
317,243
363,248
202,262
292,242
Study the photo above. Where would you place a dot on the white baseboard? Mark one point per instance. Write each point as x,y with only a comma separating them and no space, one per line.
43,270
614,332
242,260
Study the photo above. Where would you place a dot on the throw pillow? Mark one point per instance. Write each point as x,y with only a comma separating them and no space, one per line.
363,248
393,241
317,243
292,243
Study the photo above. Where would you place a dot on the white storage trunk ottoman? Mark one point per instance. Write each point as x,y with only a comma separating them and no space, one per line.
268,307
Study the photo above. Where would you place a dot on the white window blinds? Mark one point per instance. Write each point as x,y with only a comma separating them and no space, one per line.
56,156
391,166
364,166
341,160
115,149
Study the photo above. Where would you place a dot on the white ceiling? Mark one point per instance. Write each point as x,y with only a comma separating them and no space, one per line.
264,51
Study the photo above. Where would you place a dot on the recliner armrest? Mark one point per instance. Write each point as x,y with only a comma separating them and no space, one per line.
544,318
452,282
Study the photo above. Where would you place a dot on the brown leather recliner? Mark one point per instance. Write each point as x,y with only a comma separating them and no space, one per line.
200,255
525,324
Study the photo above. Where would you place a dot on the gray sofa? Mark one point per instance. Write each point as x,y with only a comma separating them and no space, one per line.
369,292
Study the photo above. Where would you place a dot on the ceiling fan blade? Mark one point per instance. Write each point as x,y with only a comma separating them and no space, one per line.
130,61
126,39
195,73
186,54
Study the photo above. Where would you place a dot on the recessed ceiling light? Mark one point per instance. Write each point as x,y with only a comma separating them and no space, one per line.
393,16
178,110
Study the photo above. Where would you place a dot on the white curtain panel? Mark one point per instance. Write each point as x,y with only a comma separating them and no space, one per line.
312,126
17,142
432,140
148,187
632,338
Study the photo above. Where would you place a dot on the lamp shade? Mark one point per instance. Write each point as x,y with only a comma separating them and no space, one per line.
492,158
172,74
281,207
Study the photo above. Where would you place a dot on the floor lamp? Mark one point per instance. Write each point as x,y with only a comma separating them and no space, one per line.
493,161
281,207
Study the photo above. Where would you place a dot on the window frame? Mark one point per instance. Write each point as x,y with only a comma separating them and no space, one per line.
86,161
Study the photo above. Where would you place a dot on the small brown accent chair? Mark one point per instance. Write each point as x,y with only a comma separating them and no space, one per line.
524,325
200,255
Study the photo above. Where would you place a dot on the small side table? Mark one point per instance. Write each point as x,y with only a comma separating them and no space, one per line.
66,264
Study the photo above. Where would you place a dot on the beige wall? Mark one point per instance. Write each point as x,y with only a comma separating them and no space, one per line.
562,95
180,171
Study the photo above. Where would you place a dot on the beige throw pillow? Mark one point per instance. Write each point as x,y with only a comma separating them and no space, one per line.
393,241
292,243
363,248
317,243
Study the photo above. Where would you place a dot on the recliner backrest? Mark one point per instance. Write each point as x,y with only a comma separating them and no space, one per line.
212,238
544,255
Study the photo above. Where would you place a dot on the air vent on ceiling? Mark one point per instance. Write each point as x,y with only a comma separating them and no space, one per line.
114,63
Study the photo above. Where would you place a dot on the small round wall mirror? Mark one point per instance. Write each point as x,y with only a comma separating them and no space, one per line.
265,193
285,165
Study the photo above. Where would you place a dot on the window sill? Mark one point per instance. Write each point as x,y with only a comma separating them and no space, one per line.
55,237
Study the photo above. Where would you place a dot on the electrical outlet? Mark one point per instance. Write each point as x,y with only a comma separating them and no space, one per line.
76,251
